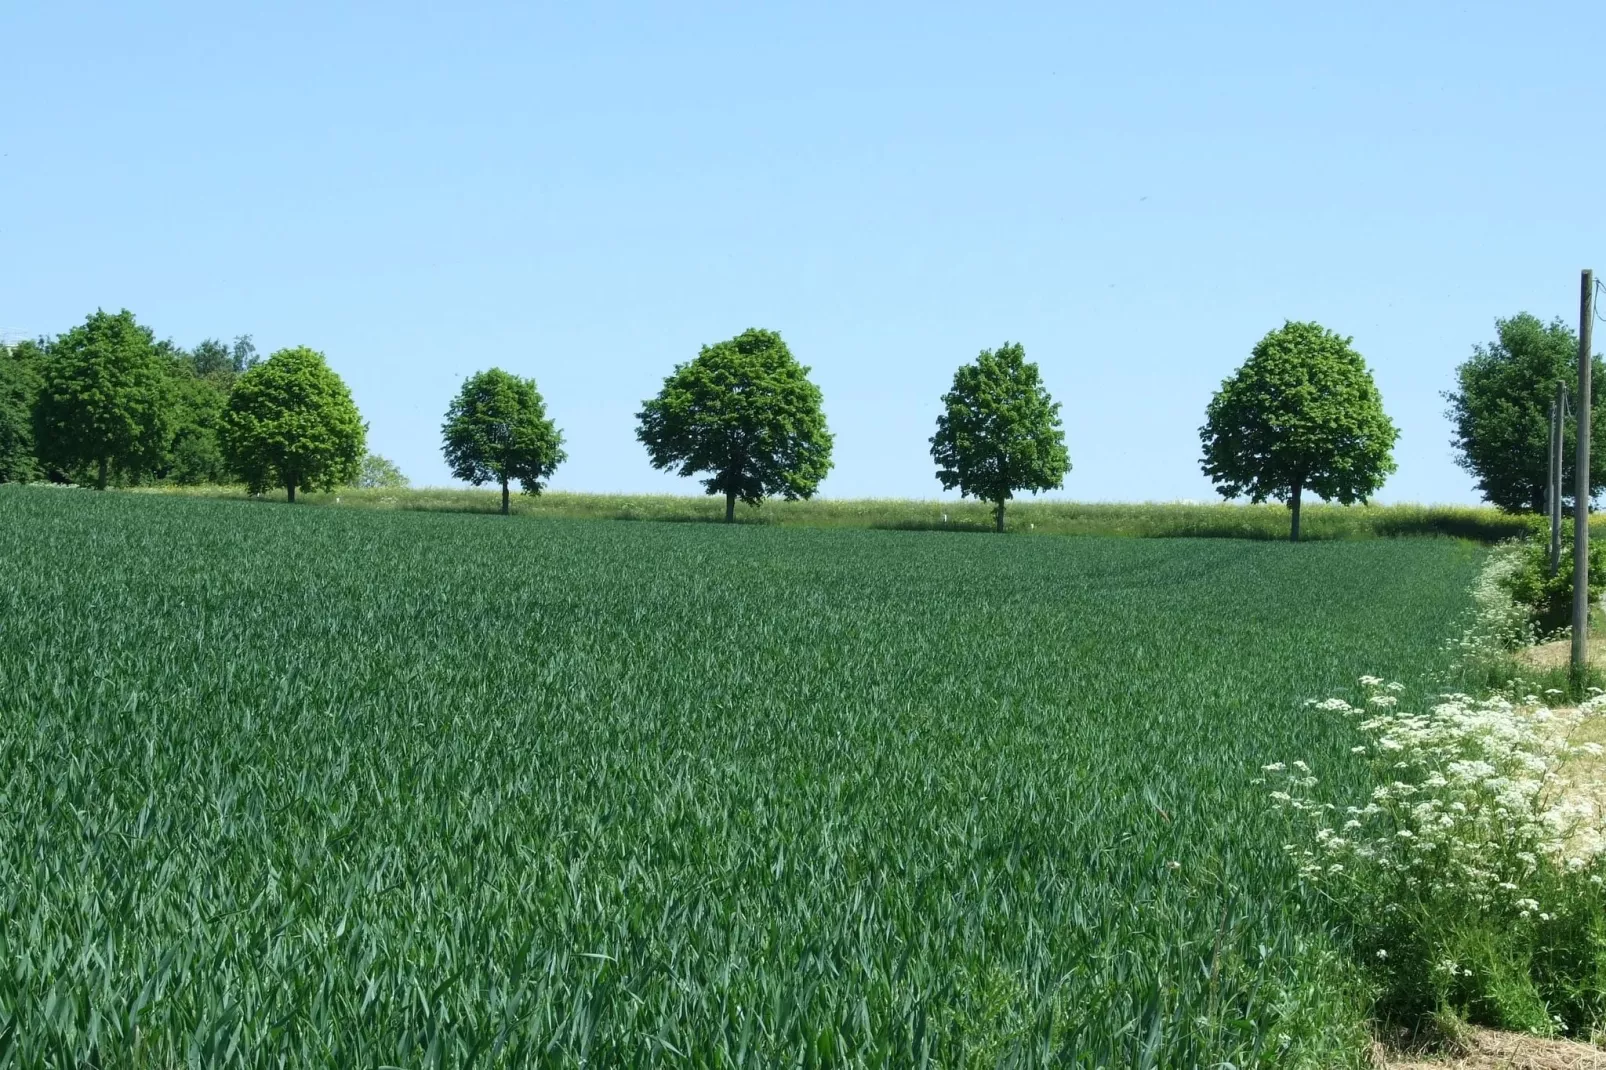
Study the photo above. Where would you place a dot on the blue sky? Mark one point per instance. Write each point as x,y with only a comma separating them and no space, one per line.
587,193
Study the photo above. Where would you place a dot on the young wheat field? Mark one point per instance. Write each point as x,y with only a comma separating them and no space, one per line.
359,788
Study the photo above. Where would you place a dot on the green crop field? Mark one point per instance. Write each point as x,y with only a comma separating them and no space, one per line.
298,786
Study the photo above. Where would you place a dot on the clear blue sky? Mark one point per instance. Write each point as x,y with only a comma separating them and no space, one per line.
586,193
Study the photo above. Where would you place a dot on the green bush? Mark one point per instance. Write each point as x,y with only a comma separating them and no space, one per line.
1549,598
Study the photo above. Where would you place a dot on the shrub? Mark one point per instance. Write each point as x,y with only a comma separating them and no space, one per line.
1549,598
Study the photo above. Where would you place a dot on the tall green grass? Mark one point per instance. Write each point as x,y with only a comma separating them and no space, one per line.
352,788
1144,519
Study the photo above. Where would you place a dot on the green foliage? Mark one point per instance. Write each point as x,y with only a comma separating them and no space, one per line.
196,459
183,450
105,405
746,412
497,430
1301,414
999,431
293,779
19,386
1501,412
290,422
1549,598
195,455
211,359
380,473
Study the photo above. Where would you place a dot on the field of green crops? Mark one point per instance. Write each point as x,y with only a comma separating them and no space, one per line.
291,786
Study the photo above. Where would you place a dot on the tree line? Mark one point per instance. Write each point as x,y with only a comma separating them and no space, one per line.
107,404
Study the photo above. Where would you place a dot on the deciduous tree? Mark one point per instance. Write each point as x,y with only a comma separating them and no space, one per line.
1500,409
999,431
290,422
497,431
380,473
105,402
19,386
1302,414
745,412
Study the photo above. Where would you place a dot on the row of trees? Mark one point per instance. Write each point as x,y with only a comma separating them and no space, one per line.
106,402
745,416
1303,414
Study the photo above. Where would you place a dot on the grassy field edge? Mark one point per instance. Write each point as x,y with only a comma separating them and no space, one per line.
1141,520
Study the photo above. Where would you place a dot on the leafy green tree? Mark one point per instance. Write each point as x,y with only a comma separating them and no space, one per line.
290,422
380,473
244,353
1301,414
744,411
211,357
195,456
999,431
105,402
192,455
497,431
1500,409
202,380
19,386
196,459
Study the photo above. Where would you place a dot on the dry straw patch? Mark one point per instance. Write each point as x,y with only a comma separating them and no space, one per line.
1556,653
1584,772
1487,1049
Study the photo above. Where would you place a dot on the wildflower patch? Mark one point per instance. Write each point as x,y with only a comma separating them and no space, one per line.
1471,877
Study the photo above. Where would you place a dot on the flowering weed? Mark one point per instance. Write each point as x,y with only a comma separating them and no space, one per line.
1471,875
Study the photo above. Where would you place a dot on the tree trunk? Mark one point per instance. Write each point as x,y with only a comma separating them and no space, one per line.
998,516
290,490
100,480
504,496
730,507
1293,504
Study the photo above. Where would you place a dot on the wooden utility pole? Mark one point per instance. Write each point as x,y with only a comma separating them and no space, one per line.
1558,429
1586,325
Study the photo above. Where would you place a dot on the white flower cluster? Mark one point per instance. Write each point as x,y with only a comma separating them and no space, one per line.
1498,622
1472,801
